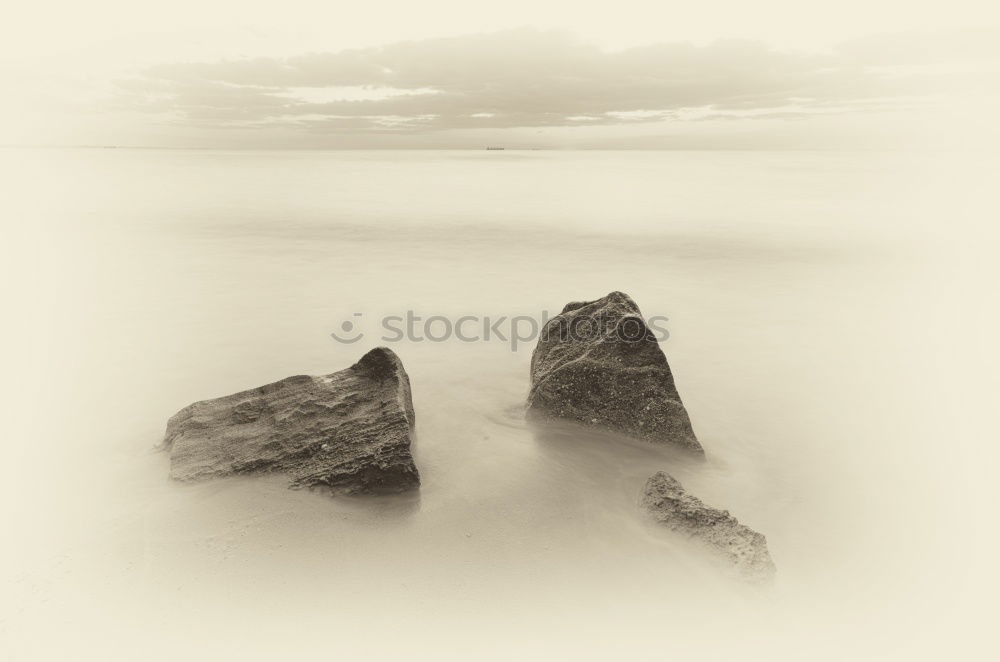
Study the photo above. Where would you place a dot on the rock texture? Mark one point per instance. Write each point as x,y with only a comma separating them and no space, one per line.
350,430
597,363
667,502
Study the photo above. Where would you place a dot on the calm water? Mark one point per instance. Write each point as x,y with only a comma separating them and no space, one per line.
813,301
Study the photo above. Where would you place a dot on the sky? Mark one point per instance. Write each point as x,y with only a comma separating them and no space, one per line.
543,74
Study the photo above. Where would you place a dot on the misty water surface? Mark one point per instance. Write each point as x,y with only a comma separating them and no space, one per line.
808,294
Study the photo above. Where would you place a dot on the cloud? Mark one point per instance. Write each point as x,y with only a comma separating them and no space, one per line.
530,78
971,45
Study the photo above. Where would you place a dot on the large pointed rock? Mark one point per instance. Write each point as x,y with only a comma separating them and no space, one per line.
598,364
668,504
350,430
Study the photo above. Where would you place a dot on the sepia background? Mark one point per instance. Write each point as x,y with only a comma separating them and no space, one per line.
195,195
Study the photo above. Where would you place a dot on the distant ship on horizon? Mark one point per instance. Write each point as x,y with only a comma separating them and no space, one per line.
493,148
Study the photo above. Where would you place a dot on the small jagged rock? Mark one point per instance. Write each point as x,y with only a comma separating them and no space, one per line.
350,430
598,364
665,500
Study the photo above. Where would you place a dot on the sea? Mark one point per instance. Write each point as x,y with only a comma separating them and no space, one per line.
829,317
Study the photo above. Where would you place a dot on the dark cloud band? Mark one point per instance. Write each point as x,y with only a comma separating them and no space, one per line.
524,78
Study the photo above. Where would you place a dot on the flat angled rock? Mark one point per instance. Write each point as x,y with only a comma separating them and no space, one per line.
598,364
668,504
349,430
